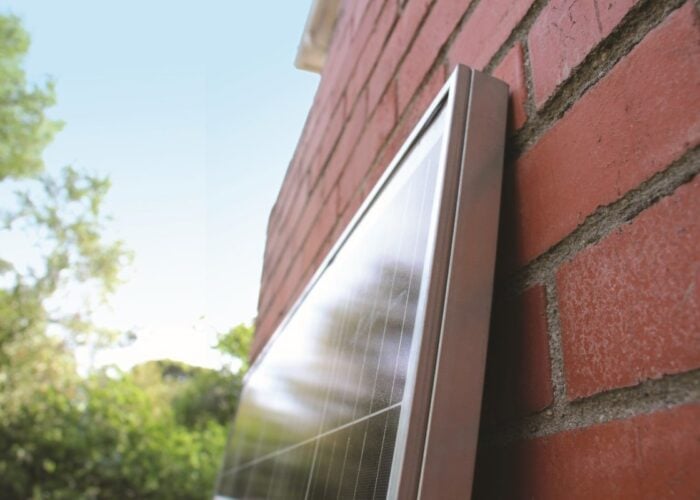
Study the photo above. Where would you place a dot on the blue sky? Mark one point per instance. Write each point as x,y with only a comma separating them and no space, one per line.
193,110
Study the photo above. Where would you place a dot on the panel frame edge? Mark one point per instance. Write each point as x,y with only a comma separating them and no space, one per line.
406,467
451,434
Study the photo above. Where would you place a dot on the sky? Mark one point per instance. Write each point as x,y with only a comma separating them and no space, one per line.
193,110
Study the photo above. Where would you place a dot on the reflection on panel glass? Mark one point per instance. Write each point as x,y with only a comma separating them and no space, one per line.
319,412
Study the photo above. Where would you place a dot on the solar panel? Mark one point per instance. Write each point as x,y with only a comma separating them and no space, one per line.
337,405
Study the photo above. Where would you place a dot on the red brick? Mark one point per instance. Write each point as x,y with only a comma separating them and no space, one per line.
384,119
260,338
267,252
354,172
647,457
346,144
329,138
356,10
396,46
375,173
267,293
270,319
409,121
292,187
273,218
320,241
345,215
630,305
266,280
336,72
321,145
485,31
297,202
277,259
437,27
320,256
262,294
320,230
639,118
371,51
284,295
512,71
363,26
283,195
309,130
339,41
518,380
299,231
311,138
308,274
373,137
281,265
270,255
562,36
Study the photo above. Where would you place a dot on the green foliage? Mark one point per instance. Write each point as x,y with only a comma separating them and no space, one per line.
24,128
65,215
196,395
209,396
236,342
61,214
103,440
156,432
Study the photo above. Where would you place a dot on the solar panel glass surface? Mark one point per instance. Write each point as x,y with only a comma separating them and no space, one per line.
319,412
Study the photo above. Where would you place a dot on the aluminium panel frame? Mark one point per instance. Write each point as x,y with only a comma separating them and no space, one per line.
438,430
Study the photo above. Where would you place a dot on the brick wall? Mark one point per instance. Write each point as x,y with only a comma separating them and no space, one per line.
593,374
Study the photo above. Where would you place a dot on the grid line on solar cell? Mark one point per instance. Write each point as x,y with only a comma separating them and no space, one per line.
273,478
330,466
355,344
408,289
338,348
342,468
402,234
340,337
359,464
372,317
249,482
381,484
309,440
268,475
381,452
367,327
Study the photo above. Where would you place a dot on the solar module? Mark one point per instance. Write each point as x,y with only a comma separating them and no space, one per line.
337,405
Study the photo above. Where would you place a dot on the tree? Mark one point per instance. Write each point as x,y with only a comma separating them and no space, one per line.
103,440
65,216
62,214
236,343
62,217
24,128
194,394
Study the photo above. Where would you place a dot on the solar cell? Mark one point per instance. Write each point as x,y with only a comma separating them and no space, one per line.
327,408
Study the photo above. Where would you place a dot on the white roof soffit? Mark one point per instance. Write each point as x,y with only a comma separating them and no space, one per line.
317,35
